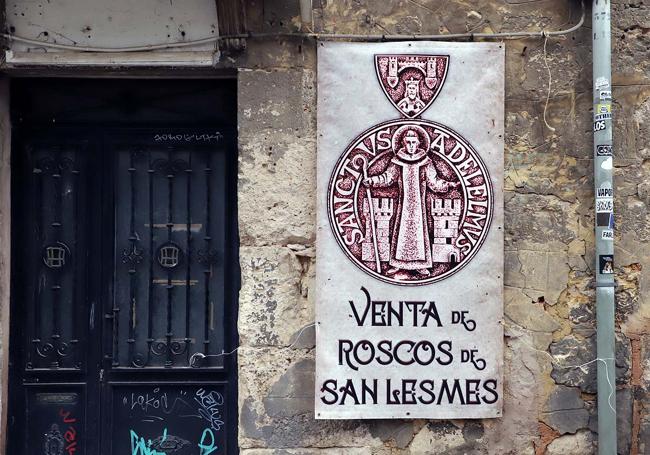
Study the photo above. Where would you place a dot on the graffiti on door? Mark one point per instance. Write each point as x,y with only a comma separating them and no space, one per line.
169,420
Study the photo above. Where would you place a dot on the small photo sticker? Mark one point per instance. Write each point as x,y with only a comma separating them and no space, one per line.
603,219
604,150
607,234
606,264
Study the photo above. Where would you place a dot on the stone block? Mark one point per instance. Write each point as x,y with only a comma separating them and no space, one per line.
538,219
280,100
276,194
272,309
270,378
576,362
513,276
565,411
581,443
527,314
534,267
537,164
624,406
558,276
644,435
271,54
442,438
397,432
293,393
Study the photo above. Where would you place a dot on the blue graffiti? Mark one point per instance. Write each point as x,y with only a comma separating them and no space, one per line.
206,448
141,447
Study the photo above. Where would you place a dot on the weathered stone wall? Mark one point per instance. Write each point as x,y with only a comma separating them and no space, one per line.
549,301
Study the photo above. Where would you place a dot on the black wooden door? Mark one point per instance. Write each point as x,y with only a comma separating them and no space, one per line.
123,293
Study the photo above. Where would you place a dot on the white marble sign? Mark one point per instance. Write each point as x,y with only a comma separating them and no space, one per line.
409,266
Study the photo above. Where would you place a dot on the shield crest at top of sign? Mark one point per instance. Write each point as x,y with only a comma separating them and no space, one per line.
411,82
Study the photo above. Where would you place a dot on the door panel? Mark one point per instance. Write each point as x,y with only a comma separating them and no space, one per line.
168,305
56,258
56,419
122,296
51,400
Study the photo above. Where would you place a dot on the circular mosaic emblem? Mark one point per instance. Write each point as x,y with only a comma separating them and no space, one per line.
410,202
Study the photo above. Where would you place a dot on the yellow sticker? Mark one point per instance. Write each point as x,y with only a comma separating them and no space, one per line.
604,108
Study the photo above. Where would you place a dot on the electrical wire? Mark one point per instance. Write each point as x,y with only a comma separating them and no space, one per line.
550,81
318,36
197,357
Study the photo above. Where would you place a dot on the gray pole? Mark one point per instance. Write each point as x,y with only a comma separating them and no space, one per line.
603,182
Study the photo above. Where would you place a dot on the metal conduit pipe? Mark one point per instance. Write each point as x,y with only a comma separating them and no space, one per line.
604,226
305,13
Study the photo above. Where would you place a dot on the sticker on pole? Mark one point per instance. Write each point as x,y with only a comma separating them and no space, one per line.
605,219
604,108
603,111
601,83
605,191
606,264
605,205
604,150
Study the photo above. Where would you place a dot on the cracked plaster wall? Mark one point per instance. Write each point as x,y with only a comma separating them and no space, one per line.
549,298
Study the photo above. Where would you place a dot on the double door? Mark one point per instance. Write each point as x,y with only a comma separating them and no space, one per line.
123,292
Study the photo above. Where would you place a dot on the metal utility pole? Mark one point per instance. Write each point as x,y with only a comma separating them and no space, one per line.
604,201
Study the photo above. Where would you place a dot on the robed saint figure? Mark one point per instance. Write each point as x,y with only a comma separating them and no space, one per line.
412,170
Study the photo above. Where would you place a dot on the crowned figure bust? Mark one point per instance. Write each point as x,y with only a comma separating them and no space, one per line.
411,104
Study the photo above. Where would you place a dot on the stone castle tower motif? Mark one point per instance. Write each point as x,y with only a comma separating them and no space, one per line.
383,210
446,218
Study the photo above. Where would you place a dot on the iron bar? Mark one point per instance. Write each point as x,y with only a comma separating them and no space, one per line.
116,330
170,287
188,266
75,266
38,263
150,297
56,287
208,241
132,272
306,13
